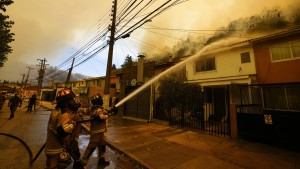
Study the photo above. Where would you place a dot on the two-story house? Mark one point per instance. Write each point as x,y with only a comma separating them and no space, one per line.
219,70
274,113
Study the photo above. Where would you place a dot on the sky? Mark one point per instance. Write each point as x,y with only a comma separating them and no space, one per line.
55,30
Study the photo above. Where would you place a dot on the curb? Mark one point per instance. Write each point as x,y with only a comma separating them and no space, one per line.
129,155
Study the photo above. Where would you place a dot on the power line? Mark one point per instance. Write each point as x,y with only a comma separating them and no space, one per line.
82,55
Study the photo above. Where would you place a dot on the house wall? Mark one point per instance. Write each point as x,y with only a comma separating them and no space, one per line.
93,90
228,64
275,72
93,82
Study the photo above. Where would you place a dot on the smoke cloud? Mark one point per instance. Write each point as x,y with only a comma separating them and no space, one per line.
49,29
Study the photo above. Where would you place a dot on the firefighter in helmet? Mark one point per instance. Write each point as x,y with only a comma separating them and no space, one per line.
97,129
61,125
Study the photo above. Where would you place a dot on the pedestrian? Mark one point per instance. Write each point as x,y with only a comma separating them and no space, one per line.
97,129
2,99
61,125
31,103
13,104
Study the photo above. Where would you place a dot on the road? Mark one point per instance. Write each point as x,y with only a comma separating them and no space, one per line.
31,128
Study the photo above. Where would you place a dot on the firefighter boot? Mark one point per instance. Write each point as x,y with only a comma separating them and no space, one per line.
78,164
103,162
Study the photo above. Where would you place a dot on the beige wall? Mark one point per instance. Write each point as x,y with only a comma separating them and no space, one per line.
229,68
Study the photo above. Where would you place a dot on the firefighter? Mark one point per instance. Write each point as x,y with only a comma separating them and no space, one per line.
13,104
61,125
97,129
74,145
2,99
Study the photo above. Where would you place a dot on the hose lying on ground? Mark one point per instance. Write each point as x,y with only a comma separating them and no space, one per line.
31,159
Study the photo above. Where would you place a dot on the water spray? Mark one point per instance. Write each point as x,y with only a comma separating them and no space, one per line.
159,76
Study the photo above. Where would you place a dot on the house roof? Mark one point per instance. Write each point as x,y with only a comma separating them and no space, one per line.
32,88
230,43
224,45
287,32
6,88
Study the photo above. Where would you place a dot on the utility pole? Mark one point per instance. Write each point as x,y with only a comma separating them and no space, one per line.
29,68
41,74
22,83
69,74
110,55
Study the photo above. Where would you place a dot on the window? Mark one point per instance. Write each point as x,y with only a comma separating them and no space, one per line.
285,51
282,97
205,64
245,57
296,49
83,90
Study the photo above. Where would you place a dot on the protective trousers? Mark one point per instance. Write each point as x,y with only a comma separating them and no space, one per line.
52,162
13,109
96,141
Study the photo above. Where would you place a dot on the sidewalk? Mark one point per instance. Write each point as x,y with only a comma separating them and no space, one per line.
163,147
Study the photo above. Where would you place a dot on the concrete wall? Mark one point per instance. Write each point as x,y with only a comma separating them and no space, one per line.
287,71
228,64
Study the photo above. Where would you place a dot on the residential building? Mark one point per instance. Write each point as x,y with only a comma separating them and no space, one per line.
270,110
219,72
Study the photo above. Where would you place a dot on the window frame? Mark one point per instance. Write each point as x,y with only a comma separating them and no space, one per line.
292,57
243,55
198,68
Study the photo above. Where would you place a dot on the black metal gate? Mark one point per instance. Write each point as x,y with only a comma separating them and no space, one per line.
216,111
139,105
205,112
270,114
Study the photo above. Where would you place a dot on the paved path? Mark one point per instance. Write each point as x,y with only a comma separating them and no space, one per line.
151,145
164,147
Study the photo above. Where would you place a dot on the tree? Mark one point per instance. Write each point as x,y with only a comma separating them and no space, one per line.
127,62
6,36
177,100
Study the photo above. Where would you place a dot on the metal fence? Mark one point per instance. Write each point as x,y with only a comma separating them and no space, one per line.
205,112
270,114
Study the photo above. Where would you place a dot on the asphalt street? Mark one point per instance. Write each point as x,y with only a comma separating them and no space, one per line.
31,128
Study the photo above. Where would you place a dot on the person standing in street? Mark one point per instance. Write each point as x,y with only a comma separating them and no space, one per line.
97,130
13,104
61,126
2,99
31,103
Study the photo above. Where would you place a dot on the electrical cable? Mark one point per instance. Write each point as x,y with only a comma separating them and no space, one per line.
127,47
133,17
83,57
129,30
78,52
154,47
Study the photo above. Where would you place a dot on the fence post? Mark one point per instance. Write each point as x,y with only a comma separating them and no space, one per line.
233,121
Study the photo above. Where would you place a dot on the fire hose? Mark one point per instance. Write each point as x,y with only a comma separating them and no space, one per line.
31,158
